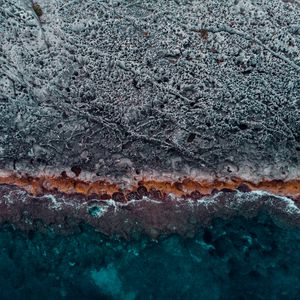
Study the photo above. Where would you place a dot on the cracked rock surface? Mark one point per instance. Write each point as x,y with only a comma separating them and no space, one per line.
120,86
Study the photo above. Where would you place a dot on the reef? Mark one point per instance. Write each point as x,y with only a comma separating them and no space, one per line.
240,258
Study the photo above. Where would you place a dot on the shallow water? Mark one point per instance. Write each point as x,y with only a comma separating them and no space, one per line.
231,259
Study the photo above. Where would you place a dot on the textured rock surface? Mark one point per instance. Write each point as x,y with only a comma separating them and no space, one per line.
113,92
120,86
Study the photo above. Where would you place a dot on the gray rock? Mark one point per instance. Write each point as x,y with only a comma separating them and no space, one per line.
207,83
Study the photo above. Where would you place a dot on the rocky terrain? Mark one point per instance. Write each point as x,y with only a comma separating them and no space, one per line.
149,149
120,88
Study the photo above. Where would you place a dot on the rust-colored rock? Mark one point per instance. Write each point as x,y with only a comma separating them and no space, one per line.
156,188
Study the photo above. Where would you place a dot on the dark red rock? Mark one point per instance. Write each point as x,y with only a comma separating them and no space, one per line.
105,197
76,170
243,188
63,174
133,196
195,195
178,186
93,196
155,194
119,197
226,190
142,191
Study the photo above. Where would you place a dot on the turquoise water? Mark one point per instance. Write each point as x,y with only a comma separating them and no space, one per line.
232,259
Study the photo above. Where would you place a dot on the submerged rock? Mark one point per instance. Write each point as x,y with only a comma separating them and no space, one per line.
238,258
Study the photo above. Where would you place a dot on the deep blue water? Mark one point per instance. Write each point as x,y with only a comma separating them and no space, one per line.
232,259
